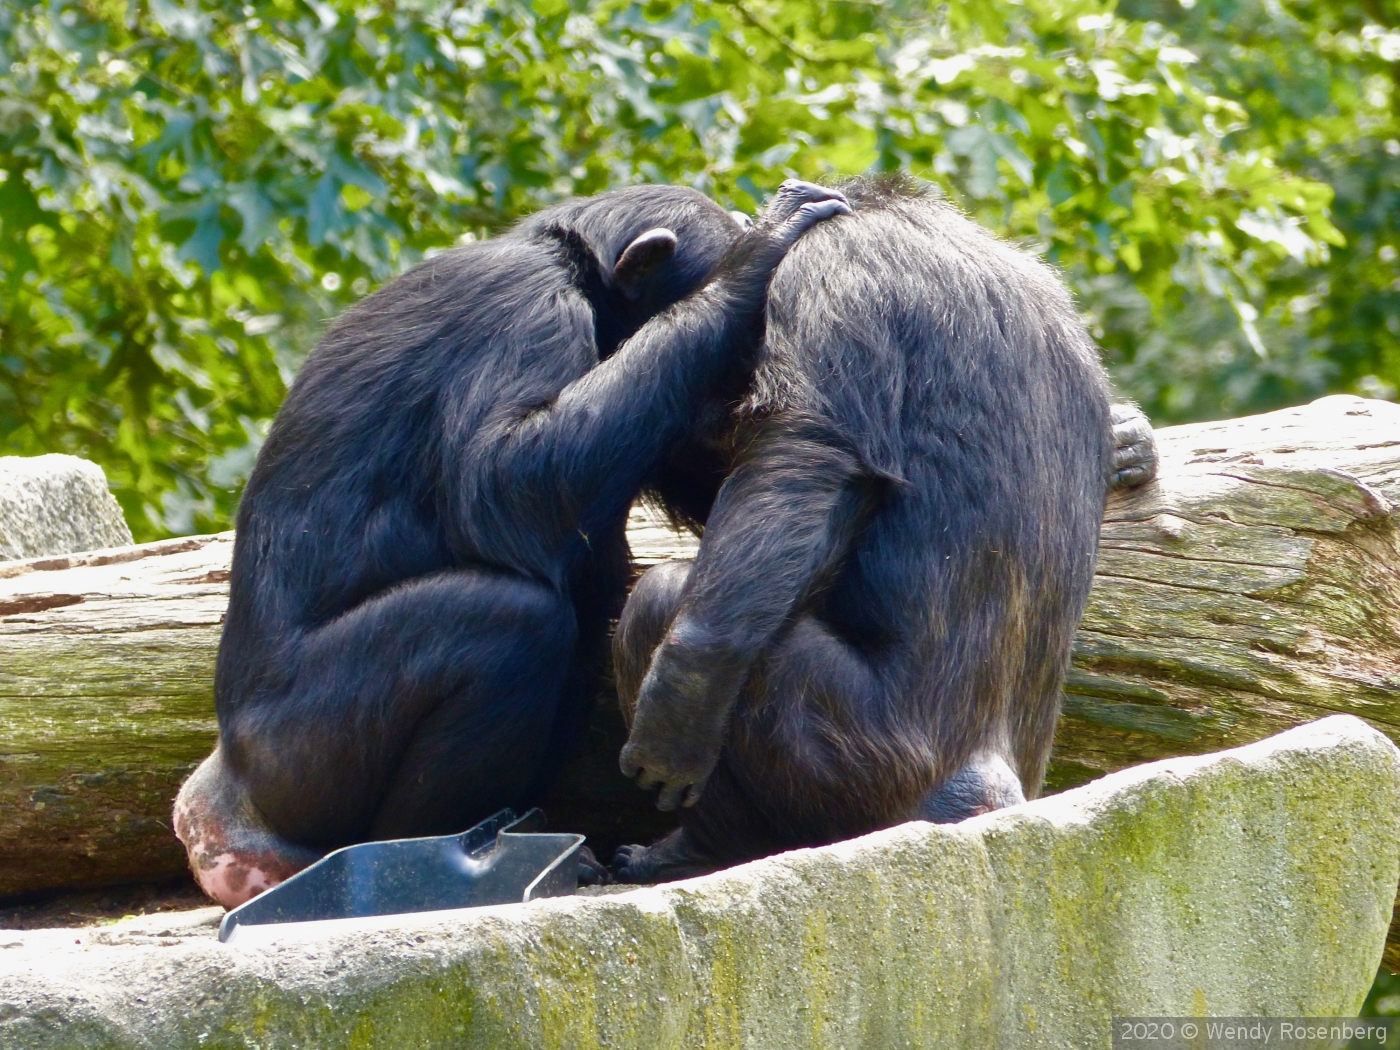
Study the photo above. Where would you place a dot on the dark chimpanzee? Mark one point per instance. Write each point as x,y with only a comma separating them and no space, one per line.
879,618
431,545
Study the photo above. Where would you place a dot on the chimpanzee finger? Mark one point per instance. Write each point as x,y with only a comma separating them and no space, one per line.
635,768
791,196
1132,476
1132,432
802,191
1135,460
814,212
692,795
1124,412
591,871
1135,452
630,763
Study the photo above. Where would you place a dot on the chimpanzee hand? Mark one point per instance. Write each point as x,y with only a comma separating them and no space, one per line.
1134,447
796,208
682,710
752,258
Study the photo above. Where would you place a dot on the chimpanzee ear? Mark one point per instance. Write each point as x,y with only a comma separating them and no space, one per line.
640,258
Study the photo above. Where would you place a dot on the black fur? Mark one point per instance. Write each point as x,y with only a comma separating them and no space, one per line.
431,545
880,615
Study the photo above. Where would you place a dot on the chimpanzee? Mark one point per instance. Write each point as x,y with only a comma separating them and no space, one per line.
879,618
431,545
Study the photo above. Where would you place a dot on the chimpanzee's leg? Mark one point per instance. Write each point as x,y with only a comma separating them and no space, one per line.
417,712
989,780
815,752
644,621
649,610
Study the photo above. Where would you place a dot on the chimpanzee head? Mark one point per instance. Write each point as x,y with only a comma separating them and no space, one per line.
638,250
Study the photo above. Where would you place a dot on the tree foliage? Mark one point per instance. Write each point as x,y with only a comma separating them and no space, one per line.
190,189
1318,82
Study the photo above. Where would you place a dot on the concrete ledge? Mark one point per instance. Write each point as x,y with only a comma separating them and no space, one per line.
1256,881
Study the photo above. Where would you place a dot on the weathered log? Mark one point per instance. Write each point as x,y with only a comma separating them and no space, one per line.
106,704
1255,586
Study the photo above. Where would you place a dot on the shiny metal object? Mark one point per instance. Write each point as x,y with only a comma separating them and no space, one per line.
503,860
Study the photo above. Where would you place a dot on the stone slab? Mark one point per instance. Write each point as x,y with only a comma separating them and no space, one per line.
56,505
1256,881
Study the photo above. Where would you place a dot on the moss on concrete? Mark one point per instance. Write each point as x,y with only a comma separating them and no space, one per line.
1256,881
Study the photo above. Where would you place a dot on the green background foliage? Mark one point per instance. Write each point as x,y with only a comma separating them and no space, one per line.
189,190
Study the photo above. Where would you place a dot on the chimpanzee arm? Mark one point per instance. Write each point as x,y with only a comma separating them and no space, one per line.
782,523
585,453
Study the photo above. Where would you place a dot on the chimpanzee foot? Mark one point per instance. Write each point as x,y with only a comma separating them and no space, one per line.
591,871
985,784
1134,447
233,854
631,864
665,861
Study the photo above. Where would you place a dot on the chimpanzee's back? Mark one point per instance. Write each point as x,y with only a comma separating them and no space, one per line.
955,367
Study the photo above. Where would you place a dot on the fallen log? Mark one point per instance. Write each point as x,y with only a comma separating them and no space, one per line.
1255,586
106,704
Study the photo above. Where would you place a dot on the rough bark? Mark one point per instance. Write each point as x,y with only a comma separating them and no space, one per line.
106,703
1255,586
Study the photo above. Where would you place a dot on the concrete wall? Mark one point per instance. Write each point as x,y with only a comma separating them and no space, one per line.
1257,881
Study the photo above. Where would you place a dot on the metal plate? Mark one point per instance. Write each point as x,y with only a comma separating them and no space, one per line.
502,860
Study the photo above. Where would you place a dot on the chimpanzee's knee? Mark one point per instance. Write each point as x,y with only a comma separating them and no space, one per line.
649,611
985,784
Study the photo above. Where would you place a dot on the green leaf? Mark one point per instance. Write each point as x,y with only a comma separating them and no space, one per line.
258,212
202,246
324,213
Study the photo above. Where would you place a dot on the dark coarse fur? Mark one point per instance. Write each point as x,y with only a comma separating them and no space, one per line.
880,615
431,545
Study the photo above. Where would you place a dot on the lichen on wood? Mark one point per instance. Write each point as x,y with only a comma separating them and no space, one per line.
106,703
1254,586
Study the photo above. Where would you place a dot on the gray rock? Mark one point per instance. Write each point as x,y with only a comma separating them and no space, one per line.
56,505
1257,881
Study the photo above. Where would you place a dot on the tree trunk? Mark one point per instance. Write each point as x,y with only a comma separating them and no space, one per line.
1255,586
